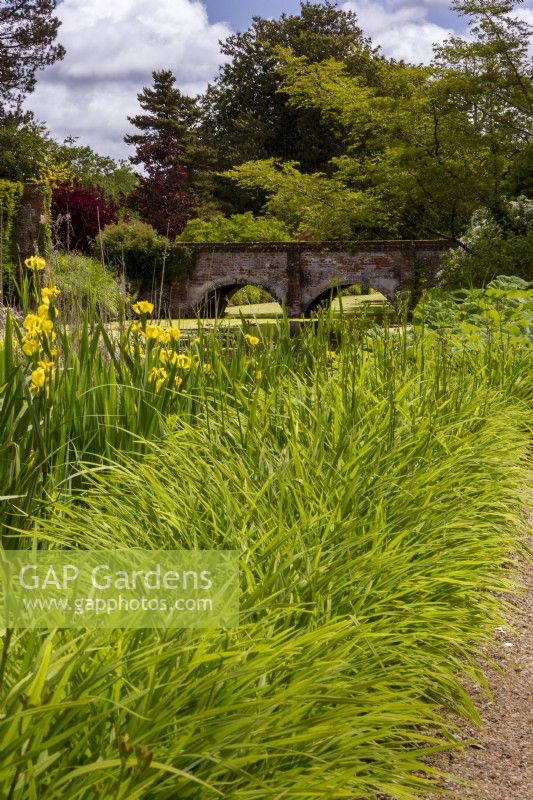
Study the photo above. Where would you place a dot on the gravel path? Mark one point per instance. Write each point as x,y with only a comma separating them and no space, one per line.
500,765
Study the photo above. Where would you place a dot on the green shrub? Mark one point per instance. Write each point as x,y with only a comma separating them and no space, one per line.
134,246
494,248
143,253
86,283
505,307
237,228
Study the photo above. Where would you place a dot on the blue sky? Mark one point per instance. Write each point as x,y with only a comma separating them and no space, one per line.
114,45
239,14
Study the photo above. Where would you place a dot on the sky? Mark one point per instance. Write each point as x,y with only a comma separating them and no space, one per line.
114,45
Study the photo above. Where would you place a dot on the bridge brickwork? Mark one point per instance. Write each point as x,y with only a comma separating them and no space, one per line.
301,275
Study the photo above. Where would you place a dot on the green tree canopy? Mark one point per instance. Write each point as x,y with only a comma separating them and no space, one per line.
89,168
23,148
236,228
423,147
28,30
245,114
312,205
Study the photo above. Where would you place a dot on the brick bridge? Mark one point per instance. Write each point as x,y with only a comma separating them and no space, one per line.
301,275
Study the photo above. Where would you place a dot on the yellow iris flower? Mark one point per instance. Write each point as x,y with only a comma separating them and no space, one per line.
46,365
158,375
32,323
152,332
38,378
48,292
30,346
35,263
143,307
183,362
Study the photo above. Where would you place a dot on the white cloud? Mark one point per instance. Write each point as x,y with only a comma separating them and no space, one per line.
112,47
401,28
525,14
408,28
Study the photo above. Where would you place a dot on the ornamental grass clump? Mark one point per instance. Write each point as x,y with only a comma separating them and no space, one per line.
373,486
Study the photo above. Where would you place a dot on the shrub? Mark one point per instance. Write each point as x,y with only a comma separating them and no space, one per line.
494,248
79,213
141,251
237,228
86,282
250,295
504,306
10,199
132,245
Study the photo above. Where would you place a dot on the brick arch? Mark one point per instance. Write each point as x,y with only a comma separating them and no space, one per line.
211,300
327,292
297,273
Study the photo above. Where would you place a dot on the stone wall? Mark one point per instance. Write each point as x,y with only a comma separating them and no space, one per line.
32,227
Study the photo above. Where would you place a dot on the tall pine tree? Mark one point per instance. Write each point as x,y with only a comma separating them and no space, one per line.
28,30
167,146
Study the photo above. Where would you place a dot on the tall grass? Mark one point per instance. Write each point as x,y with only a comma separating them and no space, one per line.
373,485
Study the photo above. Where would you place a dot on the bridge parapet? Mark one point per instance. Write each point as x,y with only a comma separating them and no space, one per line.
300,274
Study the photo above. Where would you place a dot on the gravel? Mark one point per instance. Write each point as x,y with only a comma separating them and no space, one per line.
499,765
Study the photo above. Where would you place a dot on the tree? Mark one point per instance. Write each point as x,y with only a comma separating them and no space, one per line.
363,192
23,148
247,116
425,147
494,248
175,163
312,205
28,30
79,213
488,78
237,228
492,68
519,177
90,170
161,197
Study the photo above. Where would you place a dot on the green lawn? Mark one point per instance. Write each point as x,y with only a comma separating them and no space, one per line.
350,304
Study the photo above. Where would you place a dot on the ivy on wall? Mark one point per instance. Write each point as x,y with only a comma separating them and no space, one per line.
11,194
25,226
